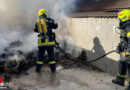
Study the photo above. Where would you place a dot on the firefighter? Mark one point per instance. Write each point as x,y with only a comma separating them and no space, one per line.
46,40
124,48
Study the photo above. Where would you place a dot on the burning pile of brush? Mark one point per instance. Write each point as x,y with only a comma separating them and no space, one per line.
15,60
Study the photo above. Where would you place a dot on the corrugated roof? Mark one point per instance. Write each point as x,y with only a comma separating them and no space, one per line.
100,8
103,5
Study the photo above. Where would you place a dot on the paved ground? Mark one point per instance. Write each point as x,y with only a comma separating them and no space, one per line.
66,79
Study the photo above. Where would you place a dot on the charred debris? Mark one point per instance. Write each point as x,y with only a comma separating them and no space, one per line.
14,61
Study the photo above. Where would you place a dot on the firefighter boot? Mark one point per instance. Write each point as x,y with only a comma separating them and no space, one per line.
120,81
38,68
128,88
53,68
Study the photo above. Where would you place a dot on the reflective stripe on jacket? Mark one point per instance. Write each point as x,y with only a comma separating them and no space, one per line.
45,42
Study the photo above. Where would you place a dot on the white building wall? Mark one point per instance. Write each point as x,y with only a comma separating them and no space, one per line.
97,36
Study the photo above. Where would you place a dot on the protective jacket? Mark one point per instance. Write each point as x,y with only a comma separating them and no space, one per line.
125,37
44,28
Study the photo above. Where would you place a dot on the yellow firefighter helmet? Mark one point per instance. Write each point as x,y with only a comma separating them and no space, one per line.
124,15
42,12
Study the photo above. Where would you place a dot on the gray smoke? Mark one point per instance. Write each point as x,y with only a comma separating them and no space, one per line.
18,18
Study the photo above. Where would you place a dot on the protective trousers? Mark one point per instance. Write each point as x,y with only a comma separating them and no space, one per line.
128,67
122,69
40,61
124,65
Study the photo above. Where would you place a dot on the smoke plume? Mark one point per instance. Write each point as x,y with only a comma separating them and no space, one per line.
18,18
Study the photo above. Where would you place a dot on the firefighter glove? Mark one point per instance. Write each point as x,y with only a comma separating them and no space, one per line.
118,49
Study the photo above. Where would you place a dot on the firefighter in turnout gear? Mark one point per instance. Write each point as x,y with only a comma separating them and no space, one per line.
46,40
124,48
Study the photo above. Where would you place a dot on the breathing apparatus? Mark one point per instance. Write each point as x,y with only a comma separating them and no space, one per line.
42,26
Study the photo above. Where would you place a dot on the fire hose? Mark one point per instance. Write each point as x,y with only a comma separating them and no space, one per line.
99,58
